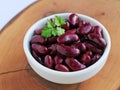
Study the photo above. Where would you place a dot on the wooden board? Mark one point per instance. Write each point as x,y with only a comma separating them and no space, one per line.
15,73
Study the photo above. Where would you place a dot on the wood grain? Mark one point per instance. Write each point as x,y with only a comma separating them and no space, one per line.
15,74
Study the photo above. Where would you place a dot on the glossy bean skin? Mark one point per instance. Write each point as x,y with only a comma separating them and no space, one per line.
61,67
72,31
97,30
97,39
68,50
58,59
37,57
52,49
66,26
81,46
84,29
38,39
74,19
74,64
95,58
48,61
93,48
86,59
40,49
67,38
89,53
81,23
38,31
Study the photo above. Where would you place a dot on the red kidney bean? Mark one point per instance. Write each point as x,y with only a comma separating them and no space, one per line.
74,64
52,49
86,59
89,53
95,58
52,40
74,19
61,67
81,23
72,31
67,38
68,50
34,47
97,39
93,48
37,57
97,30
38,39
40,49
66,26
84,29
81,46
58,59
52,19
48,61
38,31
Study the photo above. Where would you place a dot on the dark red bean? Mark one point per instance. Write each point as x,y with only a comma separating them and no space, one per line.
84,29
73,31
74,19
37,57
52,19
67,38
97,30
86,59
48,61
89,53
38,39
74,64
68,50
34,47
52,40
38,31
81,46
58,59
52,49
81,23
61,67
97,39
66,26
95,58
93,48
40,49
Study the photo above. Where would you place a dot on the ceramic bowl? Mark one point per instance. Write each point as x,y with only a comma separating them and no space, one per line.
65,77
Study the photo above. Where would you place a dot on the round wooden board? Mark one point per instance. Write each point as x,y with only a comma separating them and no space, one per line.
15,73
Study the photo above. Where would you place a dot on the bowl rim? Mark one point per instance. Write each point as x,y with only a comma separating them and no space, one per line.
28,53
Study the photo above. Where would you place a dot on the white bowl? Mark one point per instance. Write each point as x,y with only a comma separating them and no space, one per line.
65,77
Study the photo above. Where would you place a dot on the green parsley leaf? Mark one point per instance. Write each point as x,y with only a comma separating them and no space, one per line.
59,21
54,32
50,24
60,31
46,32
53,27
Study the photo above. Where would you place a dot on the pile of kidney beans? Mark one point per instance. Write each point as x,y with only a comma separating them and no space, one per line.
80,46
